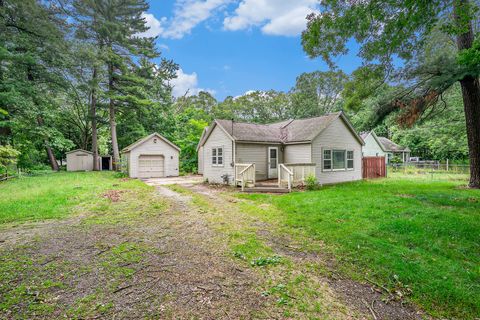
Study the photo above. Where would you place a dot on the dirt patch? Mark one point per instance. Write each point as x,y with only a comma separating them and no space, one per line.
404,195
113,195
366,299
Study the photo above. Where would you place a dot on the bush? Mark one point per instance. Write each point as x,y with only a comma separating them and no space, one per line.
311,183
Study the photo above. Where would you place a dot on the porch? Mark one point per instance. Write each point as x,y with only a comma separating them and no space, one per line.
288,175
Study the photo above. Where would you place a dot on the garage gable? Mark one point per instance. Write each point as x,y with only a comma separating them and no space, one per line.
152,157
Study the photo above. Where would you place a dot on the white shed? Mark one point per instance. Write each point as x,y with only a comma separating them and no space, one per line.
79,160
151,157
82,160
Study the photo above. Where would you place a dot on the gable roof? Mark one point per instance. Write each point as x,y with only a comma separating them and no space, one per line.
286,132
365,135
139,142
391,146
71,151
203,137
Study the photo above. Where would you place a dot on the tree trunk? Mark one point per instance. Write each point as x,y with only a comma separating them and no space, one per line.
471,99
113,124
50,154
93,114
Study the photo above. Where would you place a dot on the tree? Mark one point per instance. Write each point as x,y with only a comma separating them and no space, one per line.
32,49
385,29
317,93
116,24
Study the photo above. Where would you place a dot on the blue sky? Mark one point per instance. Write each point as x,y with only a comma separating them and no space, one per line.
229,47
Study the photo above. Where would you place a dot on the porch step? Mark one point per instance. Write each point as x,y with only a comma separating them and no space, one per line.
258,189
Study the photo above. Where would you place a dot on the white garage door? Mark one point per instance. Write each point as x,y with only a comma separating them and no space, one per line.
151,166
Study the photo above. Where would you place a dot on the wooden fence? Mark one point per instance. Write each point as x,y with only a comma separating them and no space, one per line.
374,167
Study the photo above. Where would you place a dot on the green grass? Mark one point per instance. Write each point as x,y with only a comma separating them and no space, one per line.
55,195
417,237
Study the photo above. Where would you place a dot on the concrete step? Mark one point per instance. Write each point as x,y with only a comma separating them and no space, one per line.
257,189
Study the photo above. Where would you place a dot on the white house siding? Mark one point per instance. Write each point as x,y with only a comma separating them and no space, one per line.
218,138
372,148
298,153
200,160
148,147
79,161
337,136
258,154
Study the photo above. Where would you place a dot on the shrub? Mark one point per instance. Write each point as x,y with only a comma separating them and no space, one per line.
311,182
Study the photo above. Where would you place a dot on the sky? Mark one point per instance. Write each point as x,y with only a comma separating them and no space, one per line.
230,47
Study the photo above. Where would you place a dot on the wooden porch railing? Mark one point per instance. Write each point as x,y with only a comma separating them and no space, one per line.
244,172
285,175
299,172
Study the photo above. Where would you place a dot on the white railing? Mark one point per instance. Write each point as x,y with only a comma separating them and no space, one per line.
285,175
300,172
244,173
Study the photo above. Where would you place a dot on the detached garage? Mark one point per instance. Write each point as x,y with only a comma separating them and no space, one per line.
151,157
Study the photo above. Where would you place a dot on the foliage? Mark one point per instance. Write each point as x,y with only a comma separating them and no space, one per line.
8,156
265,261
317,93
311,183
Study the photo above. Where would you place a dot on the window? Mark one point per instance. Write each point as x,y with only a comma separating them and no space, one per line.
217,156
273,158
337,160
350,160
327,159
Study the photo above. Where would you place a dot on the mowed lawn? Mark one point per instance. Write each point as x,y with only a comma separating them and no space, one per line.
54,195
418,238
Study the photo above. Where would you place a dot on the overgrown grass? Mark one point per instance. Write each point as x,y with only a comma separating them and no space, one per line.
55,195
406,234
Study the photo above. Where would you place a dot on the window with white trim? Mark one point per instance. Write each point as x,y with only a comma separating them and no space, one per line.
350,160
217,156
337,160
327,159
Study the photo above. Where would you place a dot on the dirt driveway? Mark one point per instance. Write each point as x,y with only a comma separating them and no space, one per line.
178,260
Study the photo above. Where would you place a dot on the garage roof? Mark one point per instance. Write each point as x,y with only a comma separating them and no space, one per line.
139,142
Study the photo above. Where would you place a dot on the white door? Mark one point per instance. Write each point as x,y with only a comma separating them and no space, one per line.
151,166
272,162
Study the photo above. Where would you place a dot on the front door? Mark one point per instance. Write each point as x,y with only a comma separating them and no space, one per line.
272,162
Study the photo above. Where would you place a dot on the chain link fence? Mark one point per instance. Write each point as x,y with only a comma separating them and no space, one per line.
429,170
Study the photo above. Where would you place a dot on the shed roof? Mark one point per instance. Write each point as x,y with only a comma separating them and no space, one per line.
139,142
288,131
71,151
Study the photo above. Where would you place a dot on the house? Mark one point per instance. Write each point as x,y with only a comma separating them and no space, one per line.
327,147
200,150
394,150
380,146
82,160
373,147
151,157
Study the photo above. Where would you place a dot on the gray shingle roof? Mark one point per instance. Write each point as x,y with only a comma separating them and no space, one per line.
391,146
288,131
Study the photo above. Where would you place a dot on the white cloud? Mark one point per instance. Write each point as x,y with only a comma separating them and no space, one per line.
186,83
155,26
275,17
188,14
164,46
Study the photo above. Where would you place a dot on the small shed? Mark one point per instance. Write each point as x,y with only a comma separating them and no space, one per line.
151,157
79,160
82,160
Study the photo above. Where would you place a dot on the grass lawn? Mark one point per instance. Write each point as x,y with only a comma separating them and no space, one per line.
54,195
419,238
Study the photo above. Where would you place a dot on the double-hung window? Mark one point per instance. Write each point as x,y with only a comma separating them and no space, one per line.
337,160
217,156
349,160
